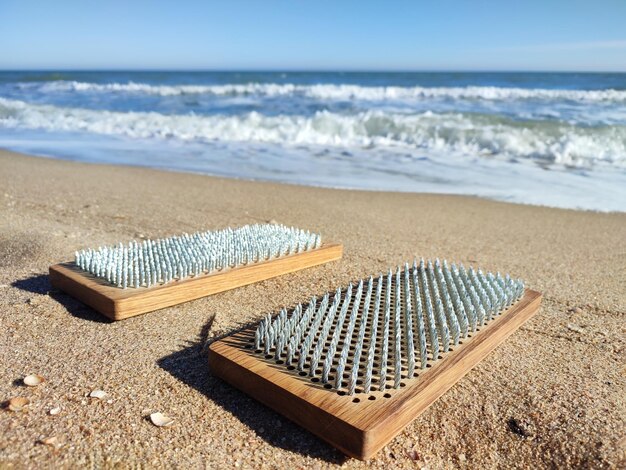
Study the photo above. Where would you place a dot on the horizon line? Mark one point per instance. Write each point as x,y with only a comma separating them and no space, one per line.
308,70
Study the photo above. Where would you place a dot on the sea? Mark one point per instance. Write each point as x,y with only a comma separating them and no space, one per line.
553,139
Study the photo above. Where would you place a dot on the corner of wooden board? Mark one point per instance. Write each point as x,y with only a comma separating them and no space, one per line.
338,247
66,279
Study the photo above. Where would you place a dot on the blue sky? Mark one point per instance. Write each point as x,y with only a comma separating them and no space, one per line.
314,35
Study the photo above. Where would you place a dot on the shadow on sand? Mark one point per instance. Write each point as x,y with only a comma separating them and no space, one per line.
190,365
40,284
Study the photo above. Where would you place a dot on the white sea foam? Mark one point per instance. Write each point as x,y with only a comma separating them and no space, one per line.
461,134
344,92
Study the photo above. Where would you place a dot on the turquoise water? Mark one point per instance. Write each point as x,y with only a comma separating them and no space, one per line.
555,139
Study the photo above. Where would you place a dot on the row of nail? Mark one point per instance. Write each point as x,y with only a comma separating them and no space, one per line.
152,262
407,317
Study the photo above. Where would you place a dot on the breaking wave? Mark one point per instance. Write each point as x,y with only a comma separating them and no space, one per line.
341,91
462,133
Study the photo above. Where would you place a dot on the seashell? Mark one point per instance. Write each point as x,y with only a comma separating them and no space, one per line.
99,394
51,441
33,380
55,411
18,403
160,420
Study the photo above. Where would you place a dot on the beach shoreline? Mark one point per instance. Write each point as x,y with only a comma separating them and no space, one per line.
553,394
549,139
415,187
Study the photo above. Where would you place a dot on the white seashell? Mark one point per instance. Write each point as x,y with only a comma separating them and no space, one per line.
99,394
33,380
18,403
55,411
160,420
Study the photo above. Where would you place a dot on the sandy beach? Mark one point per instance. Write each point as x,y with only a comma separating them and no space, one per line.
553,395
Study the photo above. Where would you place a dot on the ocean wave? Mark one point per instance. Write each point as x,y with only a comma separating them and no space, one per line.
342,92
463,134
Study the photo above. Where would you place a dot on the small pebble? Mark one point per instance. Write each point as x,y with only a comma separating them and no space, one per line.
519,427
575,327
99,394
413,455
55,411
51,441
